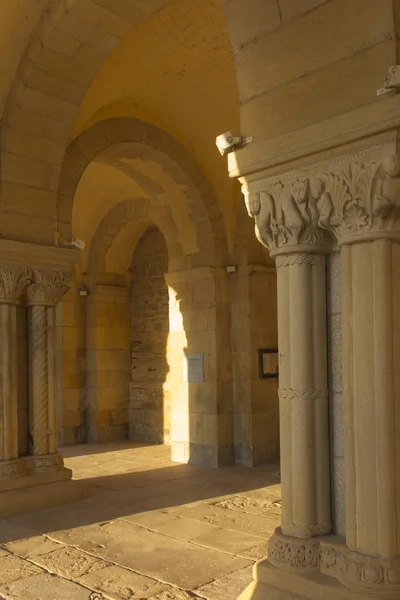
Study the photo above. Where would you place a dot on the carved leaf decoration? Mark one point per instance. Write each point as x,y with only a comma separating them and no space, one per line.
282,235
312,234
339,191
355,218
364,183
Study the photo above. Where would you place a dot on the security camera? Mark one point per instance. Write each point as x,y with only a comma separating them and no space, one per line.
227,143
79,244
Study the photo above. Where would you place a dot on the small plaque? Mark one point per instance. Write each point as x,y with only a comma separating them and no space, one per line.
193,369
268,363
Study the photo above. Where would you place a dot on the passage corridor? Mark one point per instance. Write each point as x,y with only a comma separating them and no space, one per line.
144,528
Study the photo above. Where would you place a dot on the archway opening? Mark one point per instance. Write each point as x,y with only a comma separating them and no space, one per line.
149,410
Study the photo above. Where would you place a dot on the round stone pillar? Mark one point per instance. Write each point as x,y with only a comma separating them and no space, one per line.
303,395
13,280
352,201
45,291
371,328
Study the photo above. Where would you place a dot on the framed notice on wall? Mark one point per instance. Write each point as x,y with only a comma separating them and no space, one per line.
268,363
193,368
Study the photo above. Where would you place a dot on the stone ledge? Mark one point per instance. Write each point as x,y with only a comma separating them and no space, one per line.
38,255
325,138
35,492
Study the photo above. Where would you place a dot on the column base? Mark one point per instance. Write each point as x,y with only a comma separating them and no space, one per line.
271,583
38,490
321,569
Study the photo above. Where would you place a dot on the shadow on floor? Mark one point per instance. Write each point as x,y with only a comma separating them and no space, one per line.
145,486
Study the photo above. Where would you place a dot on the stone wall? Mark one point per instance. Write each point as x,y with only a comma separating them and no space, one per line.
108,362
255,400
201,412
336,393
72,412
149,413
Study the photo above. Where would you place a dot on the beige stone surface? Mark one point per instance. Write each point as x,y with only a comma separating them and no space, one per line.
118,544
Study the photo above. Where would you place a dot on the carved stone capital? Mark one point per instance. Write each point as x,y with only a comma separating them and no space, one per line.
354,198
47,287
14,279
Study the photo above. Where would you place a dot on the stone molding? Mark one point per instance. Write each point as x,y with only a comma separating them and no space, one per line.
355,198
307,531
25,465
300,259
38,256
359,571
312,394
292,553
47,287
330,556
14,280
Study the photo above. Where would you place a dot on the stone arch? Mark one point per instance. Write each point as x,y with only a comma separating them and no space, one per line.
142,215
72,41
65,53
118,142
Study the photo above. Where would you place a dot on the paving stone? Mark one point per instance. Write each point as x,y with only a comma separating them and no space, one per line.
33,546
173,594
122,584
227,540
182,564
258,506
70,563
256,552
184,529
214,515
149,519
149,529
13,568
10,531
45,587
229,587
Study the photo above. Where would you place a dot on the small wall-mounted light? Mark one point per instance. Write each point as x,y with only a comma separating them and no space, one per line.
83,293
392,82
231,269
227,143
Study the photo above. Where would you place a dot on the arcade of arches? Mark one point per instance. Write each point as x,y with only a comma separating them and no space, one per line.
109,113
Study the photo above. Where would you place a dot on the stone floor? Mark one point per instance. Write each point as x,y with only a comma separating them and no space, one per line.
146,528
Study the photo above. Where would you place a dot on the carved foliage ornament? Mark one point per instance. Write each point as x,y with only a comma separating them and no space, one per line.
13,281
356,197
41,286
47,287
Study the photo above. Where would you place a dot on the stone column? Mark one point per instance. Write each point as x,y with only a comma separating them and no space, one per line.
45,291
13,279
355,199
371,355
303,395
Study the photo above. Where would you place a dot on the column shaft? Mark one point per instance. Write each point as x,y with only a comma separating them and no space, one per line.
38,380
303,395
370,295
9,382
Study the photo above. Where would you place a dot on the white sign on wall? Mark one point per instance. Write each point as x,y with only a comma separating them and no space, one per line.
193,368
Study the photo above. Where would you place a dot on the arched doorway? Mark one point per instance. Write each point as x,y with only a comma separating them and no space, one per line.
149,410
